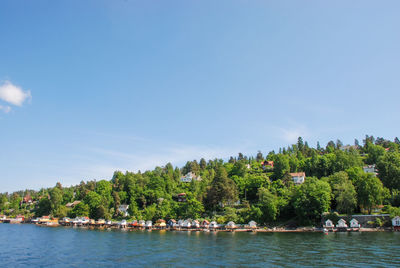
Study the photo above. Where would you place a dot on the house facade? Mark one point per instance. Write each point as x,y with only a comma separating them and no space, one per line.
298,177
189,177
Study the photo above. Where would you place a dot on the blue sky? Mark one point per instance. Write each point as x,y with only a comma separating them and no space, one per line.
88,87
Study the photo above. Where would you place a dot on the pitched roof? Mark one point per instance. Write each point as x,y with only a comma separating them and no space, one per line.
298,174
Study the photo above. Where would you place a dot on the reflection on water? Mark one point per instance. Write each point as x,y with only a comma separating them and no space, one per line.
40,246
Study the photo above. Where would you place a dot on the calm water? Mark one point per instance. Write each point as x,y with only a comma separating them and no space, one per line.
29,245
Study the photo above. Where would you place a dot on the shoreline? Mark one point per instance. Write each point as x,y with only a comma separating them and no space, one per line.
216,230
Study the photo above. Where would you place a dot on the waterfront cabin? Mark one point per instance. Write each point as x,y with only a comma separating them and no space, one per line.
341,224
160,224
298,177
123,224
213,225
252,224
3,217
230,225
149,224
65,221
396,223
354,223
195,224
328,224
141,223
134,223
100,222
186,224
205,224
180,223
108,223
171,223
44,219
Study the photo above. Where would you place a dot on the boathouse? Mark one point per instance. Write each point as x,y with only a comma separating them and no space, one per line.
341,224
252,224
396,223
328,224
354,224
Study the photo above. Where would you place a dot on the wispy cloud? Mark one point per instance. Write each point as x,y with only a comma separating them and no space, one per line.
5,109
13,94
291,133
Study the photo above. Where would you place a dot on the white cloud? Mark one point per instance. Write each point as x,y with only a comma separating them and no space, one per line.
13,94
291,134
5,109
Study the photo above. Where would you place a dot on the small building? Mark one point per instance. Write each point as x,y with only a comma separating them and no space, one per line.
160,223
205,223
267,164
298,177
72,204
329,224
230,225
354,223
171,223
27,199
141,223
189,177
195,224
370,169
149,224
252,224
123,224
187,224
180,223
182,197
341,224
213,225
396,223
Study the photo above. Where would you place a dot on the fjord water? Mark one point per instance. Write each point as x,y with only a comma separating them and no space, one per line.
35,246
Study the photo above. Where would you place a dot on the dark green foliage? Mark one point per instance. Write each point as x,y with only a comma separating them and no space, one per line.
335,181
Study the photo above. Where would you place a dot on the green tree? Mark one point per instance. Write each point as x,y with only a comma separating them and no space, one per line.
281,166
222,190
80,210
389,170
312,199
370,192
268,204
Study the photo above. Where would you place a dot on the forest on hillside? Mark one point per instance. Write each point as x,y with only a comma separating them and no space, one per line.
344,179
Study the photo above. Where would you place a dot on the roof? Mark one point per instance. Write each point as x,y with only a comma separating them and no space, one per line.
298,174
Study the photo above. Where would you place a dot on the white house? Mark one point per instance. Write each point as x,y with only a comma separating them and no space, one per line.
180,223
149,224
252,224
123,224
329,223
298,177
354,224
341,224
195,224
396,221
189,177
230,225
213,224
141,223
124,210
186,224
370,169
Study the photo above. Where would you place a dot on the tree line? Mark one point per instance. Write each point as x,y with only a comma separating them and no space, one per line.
240,189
